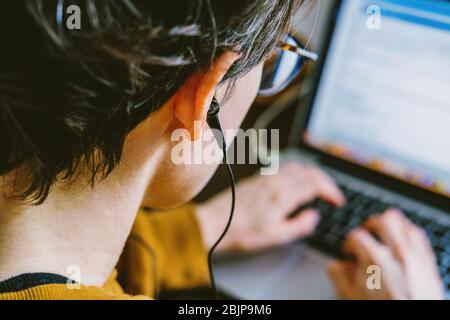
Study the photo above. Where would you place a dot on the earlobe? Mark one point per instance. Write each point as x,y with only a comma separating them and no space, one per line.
194,97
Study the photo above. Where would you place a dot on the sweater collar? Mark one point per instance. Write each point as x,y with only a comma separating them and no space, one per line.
30,280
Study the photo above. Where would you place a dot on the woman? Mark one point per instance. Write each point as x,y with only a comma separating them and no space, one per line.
85,140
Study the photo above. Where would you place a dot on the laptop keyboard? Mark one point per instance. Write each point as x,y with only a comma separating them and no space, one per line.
337,222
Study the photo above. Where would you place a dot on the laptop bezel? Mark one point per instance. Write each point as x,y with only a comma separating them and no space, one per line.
302,119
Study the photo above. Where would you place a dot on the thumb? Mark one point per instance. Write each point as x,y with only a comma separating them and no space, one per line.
341,275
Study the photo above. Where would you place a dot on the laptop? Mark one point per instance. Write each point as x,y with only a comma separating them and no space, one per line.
378,121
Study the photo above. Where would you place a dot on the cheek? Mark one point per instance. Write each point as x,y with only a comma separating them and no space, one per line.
247,86
237,106
180,186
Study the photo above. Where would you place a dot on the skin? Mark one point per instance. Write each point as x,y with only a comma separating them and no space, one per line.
267,224
404,255
78,225
403,252
86,227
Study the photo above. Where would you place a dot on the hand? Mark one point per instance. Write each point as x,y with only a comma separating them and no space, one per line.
404,257
262,209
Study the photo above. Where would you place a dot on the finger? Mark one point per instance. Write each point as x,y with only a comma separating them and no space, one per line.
291,168
340,274
287,190
299,227
325,187
297,185
309,183
391,229
419,239
279,233
363,247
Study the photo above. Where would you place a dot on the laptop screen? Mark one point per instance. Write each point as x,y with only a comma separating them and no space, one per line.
383,100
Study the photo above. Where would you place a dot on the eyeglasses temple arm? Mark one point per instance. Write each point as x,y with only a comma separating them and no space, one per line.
301,52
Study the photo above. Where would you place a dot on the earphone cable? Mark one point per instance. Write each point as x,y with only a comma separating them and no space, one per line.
230,218
147,247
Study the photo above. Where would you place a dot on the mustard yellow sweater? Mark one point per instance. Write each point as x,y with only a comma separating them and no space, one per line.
173,238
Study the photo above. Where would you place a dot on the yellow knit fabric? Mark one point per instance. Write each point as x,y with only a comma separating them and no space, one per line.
181,262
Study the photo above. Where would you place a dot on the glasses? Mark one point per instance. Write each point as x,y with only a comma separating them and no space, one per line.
284,66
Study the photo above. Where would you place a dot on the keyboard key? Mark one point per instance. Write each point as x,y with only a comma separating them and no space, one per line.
447,234
414,217
439,229
340,215
355,222
325,225
444,260
443,244
325,208
377,208
336,223
434,240
446,280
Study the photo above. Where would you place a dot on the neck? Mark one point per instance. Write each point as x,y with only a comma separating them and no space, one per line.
79,228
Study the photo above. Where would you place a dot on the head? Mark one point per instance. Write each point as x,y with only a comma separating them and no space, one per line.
79,107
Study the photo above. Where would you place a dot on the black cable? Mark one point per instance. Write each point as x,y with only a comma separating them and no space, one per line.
214,123
149,249
227,227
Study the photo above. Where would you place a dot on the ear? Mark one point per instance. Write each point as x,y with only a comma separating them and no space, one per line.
193,99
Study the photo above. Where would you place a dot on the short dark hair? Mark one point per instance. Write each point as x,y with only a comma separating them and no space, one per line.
70,98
